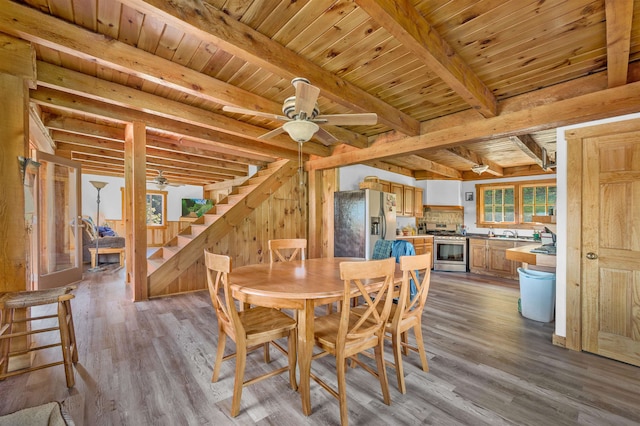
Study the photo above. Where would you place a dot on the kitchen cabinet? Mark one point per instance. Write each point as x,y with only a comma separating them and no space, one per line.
407,200
398,189
489,257
421,244
385,186
417,202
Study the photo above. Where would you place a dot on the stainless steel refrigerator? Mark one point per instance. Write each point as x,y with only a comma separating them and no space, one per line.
360,219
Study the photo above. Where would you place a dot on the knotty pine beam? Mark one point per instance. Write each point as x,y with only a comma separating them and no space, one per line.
619,18
401,19
473,158
236,38
30,24
100,132
135,210
529,146
592,106
80,84
90,107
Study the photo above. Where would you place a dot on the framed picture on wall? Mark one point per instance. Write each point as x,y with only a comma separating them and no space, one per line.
468,196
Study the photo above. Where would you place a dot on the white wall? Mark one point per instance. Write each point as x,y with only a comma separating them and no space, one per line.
111,198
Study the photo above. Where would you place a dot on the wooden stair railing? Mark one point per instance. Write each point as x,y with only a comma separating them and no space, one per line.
175,257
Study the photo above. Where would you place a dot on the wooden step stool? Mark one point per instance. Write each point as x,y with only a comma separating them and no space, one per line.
9,302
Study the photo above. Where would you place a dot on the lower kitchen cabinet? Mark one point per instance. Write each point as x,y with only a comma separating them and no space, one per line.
422,245
489,257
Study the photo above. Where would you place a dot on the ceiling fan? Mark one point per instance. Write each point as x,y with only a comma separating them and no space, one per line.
160,181
301,116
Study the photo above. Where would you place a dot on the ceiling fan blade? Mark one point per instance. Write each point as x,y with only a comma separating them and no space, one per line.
306,97
229,108
325,137
272,133
364,119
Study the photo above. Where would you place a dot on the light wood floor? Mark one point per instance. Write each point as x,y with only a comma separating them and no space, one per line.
150,363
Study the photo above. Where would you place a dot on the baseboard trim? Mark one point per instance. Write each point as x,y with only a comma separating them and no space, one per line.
559,340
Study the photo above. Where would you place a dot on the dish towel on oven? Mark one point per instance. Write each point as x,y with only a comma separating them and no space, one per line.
405,248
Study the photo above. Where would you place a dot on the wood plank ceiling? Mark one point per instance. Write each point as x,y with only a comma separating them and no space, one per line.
454,82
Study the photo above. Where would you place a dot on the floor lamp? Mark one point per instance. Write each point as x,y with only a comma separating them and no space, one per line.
98,186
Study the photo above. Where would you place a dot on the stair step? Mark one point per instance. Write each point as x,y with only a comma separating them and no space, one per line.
169,251
153,264
198,228
256,179
185,239
223,208
234,198
246,188
209,218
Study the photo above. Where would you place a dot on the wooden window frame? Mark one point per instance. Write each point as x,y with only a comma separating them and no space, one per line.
517,200
164,208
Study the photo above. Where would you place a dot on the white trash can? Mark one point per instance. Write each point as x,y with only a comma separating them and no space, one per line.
537,294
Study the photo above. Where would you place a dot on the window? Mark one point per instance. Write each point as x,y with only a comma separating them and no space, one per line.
156,208
537,200
515,204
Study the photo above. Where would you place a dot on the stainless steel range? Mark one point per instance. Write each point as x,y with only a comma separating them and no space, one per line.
450,252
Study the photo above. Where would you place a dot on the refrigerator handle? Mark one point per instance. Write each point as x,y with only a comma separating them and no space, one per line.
384,216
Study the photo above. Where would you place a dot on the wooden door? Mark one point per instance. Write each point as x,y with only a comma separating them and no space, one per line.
59,239
611,246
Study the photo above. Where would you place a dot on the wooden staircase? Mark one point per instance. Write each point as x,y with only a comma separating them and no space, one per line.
171,260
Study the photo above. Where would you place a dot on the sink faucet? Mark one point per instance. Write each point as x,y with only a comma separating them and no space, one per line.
514,234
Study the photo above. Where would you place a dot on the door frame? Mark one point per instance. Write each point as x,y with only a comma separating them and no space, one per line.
574,140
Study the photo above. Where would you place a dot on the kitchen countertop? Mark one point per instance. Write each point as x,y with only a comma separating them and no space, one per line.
410,237
499,238
523,254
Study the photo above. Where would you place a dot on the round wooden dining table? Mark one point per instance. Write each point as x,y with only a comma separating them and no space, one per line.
300,285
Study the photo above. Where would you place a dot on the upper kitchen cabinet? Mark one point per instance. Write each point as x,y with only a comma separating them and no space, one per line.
408,199
417,202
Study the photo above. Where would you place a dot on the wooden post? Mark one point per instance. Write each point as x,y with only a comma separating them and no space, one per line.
17,72
135,209
322,185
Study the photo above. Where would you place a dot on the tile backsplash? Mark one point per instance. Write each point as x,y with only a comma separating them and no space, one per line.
448,218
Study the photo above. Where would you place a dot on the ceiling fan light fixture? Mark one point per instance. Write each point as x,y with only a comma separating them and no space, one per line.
480,168
300,130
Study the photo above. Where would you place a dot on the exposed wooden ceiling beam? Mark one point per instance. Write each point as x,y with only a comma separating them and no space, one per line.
90,107
72,142
38,133
401,19
81,84
387,167
212,25
73,125
463,152
593,106
529,146
30,24
619,15
421,164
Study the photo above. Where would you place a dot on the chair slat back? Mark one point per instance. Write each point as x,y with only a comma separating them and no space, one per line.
218,270
298,245
356,276
414,267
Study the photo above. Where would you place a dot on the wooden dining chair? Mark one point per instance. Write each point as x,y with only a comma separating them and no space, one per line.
279,250
407,313
250,329
344,334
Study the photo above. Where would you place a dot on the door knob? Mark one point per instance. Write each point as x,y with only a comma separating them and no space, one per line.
591,255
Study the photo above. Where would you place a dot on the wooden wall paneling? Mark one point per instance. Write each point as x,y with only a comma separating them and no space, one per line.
277,217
